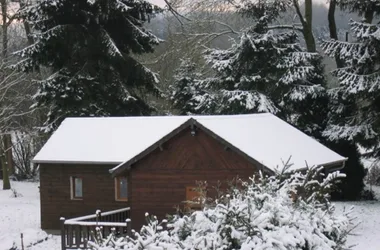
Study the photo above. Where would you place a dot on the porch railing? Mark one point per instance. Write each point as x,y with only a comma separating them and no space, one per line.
76,232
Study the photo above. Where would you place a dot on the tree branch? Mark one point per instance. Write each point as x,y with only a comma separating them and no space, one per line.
292,27
175,13
223,24
10,19
298,11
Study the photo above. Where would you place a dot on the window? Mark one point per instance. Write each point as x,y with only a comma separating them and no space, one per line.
193,198
76,188
121,188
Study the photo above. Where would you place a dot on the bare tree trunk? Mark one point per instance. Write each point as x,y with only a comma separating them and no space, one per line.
332,28
308,27
331,19
3,154
9,154
28,33
27,28
6,182
368,16
307,24
4,9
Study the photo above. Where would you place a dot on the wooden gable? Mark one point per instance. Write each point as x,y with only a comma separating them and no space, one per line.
163,180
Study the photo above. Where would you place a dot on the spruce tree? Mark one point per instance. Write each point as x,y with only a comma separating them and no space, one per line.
365,8
185,88
88,46
350,187
264,71
346,111
358,96
355,116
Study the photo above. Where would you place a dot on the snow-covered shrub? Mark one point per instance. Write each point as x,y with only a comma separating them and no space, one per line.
373,175
103,243
15,193
266,213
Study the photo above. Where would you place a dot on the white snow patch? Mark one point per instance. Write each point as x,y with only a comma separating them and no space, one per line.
367,235
22,215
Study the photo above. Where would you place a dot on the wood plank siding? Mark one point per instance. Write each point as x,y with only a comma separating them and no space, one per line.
156,183
98,192
160,179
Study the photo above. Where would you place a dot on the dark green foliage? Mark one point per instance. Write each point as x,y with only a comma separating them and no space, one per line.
354,112
351,187
365,8
185,87
264,71
88,45
257,9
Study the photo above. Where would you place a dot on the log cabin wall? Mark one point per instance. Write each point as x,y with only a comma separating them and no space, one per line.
55,192
156,184
159,181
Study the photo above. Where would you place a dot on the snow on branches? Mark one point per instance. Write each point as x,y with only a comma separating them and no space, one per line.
89,46
285,211
263,71
355,117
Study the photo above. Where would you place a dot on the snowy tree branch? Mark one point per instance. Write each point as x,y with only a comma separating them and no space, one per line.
291,27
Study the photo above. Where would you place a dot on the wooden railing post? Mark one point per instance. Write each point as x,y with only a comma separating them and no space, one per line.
128,221
77,236
98,215
63,233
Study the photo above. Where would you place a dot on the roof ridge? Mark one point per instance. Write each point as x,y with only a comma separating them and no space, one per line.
168,116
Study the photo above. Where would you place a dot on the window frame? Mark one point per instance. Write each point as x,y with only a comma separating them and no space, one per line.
117,188
190,201
73,186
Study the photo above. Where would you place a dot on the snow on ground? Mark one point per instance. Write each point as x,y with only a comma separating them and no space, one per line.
22,215
367,234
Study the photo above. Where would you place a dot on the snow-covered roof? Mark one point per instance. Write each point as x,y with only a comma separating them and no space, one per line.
114,140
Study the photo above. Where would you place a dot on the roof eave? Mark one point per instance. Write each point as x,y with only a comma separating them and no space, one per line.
127,164
75,162
338,165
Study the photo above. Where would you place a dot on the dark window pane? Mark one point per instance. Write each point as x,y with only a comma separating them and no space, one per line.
78,187
123,185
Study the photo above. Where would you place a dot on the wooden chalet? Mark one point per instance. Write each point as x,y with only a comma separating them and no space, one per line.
151,164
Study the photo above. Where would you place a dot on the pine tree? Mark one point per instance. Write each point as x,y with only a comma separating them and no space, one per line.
88,45
357,98
365,8
186,87
356,101
350,187
264,71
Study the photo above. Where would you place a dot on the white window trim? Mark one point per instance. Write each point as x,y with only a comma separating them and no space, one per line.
72,196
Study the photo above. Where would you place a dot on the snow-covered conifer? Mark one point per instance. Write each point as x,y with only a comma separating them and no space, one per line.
263,71
186,86
357,98
87,46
